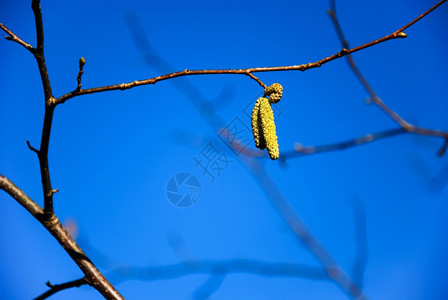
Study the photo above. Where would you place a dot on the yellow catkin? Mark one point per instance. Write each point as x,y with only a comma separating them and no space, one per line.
256,126
268,127
263,125
275,92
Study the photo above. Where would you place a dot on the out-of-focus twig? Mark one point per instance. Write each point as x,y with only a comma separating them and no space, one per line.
190,265
362,249
442,150
301,230
238,146
227,266
300,150
374,97
49,110
210,285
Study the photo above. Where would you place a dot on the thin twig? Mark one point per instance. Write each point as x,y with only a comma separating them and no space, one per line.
54,288
12,37
32,148
396,34
82,62
257,80
92,275
246,71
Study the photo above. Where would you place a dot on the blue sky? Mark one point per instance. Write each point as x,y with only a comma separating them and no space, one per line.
113,154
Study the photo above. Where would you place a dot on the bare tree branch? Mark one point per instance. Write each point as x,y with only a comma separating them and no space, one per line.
396,34
246,71
93,275
54,288
38,53
374,97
